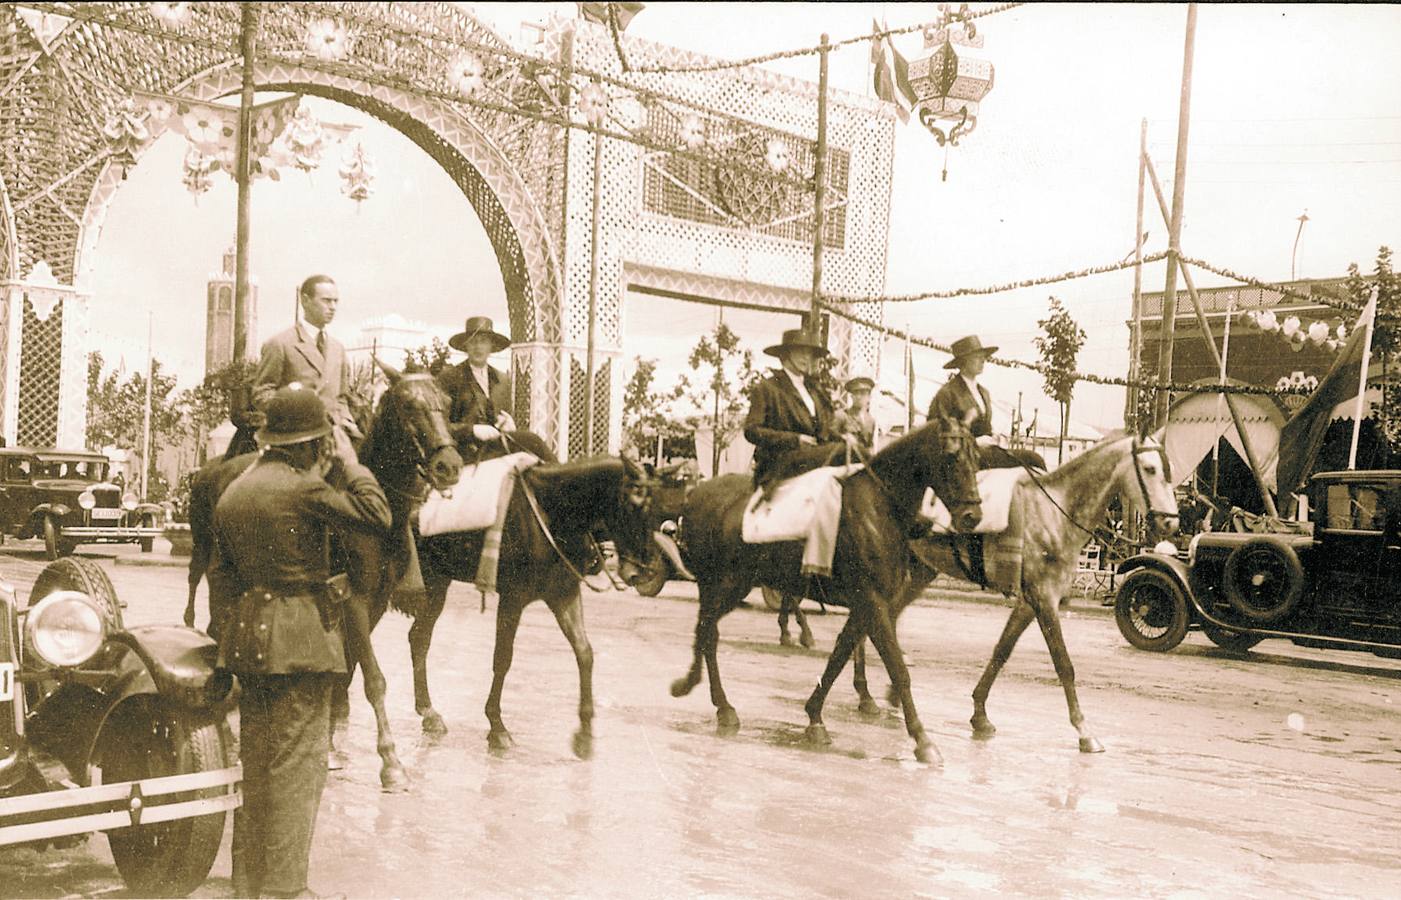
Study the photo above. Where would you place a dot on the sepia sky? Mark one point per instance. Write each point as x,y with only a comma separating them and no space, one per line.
1294,107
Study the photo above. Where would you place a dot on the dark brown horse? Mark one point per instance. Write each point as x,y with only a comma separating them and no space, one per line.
546,544
880,506
406,442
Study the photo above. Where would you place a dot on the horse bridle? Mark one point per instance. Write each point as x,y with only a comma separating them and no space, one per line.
1139,448
426,454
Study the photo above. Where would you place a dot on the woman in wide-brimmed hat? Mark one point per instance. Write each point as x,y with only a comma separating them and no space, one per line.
789,411
480,394
962,397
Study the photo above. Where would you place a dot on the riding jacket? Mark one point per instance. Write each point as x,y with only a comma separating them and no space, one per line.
778,417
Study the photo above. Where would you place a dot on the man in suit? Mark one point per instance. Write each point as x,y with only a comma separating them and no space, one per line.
963,398
307,355
480,393
790,421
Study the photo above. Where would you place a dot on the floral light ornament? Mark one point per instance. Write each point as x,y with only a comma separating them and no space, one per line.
358,175
158,112
693,132
198,171
172,15
327,39
306,140
777,155
1318,332
593,103
466,73
126,132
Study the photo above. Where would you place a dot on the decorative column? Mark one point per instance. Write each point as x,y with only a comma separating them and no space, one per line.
45,361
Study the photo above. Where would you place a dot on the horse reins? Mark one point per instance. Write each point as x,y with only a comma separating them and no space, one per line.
1149,511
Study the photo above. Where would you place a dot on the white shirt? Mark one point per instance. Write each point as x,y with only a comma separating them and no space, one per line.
481,376
803,393
977,394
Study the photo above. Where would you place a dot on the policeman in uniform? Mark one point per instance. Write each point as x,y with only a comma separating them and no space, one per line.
856,419
282,635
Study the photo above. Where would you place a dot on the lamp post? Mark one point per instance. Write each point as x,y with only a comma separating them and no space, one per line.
1298,234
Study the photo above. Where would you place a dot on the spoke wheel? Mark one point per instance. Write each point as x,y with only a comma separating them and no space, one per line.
1263,580
1150,611
1230,640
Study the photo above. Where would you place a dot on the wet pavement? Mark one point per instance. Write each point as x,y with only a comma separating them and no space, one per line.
1276,772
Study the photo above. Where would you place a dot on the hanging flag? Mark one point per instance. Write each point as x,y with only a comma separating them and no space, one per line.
598,12
1302,436
892,74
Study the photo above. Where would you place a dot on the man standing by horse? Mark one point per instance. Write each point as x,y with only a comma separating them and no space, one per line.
963,398
791,422
281,635
480,394
307,355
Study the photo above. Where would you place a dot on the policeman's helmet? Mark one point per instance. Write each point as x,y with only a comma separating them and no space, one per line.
294,415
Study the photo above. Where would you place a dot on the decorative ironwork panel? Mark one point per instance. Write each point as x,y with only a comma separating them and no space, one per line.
40,369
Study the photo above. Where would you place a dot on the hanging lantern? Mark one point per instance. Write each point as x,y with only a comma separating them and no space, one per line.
357,175
125,132
1268,321
693,132
593,103
952,78
327,39
1333,344
306,140
777,155
466,73
198,171
1297,340
172,15
1290,326
1318,332
1341,332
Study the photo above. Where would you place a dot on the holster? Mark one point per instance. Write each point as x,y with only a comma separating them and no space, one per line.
331,598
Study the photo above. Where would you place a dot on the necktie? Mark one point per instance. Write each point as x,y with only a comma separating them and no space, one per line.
321,341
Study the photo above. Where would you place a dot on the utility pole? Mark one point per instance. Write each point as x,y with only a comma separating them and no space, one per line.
1135,362
146,413
1179,189
248,30
1293,256
819,196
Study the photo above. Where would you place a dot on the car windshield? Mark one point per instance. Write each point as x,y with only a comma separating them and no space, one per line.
76,469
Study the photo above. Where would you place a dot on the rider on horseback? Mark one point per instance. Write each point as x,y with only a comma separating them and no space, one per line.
963,398
479,392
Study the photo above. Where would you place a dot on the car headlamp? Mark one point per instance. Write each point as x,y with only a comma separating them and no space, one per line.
1165,548
129,501
64,629
87,500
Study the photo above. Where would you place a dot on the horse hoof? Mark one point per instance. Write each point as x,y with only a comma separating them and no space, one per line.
817,735
499,740
868,707
583,745
1091,745
337,760
433,724
982,728
929,754
393,779
807,641
727,720
786,640
681,687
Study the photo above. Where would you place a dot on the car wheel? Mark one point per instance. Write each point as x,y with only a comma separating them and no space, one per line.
149,737
74,573
52,550
1230,640
1263,580
655,577
1150,611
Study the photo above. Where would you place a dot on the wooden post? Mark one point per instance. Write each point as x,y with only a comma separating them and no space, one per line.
1216,357
1179,186
1136,362
819,197
248,31
593,295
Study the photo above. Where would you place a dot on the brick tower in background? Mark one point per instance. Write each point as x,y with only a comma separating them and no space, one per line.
219,316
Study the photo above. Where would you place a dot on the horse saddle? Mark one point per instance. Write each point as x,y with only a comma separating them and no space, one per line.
474,502
995,487
792,508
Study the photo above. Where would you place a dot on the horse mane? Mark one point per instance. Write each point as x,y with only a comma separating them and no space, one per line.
1072,467
570,480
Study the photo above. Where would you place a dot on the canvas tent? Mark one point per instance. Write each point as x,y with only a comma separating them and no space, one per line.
1197,421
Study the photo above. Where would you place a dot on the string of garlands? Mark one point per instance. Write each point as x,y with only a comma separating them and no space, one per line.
1331,301
1089,377
963,14
995,288
328,42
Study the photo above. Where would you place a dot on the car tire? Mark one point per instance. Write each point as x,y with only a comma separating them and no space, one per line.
1230,640
655,576
74,573
1263,580
150,736
1151,611
52,549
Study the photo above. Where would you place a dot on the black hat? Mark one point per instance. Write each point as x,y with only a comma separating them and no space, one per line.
967,346
479,325
860,383
294,414
796,337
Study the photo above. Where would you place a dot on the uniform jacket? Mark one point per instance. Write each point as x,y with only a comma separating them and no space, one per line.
955,401
862,426
778,416
270,564
470,403
291,356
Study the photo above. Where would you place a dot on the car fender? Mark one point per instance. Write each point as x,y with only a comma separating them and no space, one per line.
181,664
151,509
1171,566
67,721
667,545
57,510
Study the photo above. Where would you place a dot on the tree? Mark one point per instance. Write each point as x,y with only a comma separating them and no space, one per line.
647,413
431,358
725,392
1058,347
1386,337
116,410
209,403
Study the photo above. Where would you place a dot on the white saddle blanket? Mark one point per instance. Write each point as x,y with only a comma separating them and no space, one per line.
791,513
994,487
473,503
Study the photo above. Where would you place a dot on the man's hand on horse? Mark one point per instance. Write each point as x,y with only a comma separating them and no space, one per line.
485,432
504,422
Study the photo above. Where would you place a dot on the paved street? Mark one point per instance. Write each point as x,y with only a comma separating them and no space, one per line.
1206,788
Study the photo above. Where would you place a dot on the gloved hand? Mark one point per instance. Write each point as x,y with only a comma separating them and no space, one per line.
505,422
985,440
485,432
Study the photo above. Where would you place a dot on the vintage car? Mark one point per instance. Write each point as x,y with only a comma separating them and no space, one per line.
64,497
673,484
105,728
1336,584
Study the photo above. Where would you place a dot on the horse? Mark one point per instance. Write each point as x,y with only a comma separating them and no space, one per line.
879,510
1059,509
546,543
407,441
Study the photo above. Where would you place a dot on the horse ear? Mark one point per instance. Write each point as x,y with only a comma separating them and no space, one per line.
389,371
1158,436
